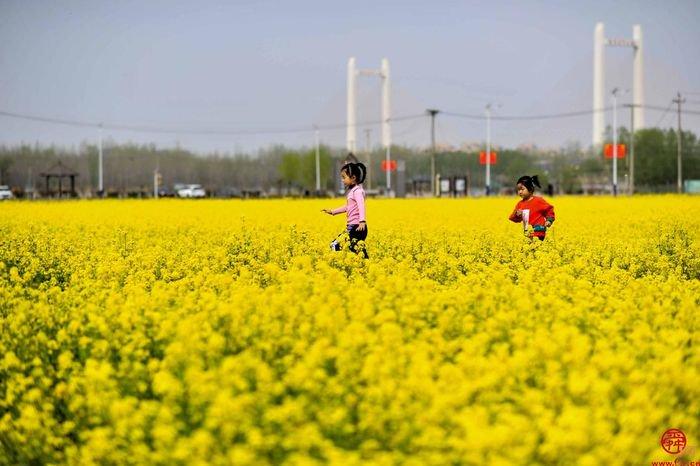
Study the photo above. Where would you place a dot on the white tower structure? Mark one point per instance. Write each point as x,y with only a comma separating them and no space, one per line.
598,84
383,73
638,77
599,43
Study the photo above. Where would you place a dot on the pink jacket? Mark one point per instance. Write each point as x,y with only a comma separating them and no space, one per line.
354,206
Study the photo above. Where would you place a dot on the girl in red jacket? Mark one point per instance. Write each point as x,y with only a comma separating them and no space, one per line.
532,210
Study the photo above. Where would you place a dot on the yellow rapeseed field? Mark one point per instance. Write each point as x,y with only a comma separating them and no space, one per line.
227,333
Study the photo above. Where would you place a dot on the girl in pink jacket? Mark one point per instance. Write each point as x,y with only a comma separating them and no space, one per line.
353,174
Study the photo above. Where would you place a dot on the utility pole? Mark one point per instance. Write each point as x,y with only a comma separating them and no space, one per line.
368,132
100,188
488,149
631,185
432,112
614,148
318,161
155,183
679,136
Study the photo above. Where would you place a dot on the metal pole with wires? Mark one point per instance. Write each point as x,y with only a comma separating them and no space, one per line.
318,161
432,112
155,183
100,183
679,137
488,149
631,185
614,147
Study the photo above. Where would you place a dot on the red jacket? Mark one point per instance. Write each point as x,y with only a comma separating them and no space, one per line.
540,212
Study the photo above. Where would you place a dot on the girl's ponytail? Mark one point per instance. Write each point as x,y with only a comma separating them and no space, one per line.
535,181
362,172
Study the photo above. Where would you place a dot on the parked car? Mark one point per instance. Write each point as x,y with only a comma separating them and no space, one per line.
5,192
228,191
191,190
165,192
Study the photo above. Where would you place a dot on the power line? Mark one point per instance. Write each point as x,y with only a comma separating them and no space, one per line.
409,129
155,129
373,122
548,116
305,129
655,107
146,129
443,133
663,115
526,117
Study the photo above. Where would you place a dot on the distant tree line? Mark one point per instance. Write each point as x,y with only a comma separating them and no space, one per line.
280,170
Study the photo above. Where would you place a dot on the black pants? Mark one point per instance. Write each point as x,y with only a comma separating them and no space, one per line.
355,237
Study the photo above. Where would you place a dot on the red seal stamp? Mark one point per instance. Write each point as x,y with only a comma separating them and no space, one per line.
673,441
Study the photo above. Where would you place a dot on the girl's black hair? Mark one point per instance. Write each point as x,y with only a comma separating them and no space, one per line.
358,170
529,182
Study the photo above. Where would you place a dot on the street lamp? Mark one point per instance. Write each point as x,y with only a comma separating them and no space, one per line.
318,161
614,148
100,183
488,145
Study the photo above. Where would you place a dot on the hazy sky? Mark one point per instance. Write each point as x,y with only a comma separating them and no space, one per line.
264,65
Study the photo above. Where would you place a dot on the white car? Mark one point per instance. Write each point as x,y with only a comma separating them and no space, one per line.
5,192
191,190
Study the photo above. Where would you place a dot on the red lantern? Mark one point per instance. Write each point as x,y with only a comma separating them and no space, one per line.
621,151
484,160
389,165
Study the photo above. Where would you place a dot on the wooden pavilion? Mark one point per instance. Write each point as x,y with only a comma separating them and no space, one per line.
59,171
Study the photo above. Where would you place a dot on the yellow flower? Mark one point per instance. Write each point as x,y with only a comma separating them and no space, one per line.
215,332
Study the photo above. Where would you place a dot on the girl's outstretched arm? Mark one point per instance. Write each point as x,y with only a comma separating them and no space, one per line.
548,213
335,211
516,216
